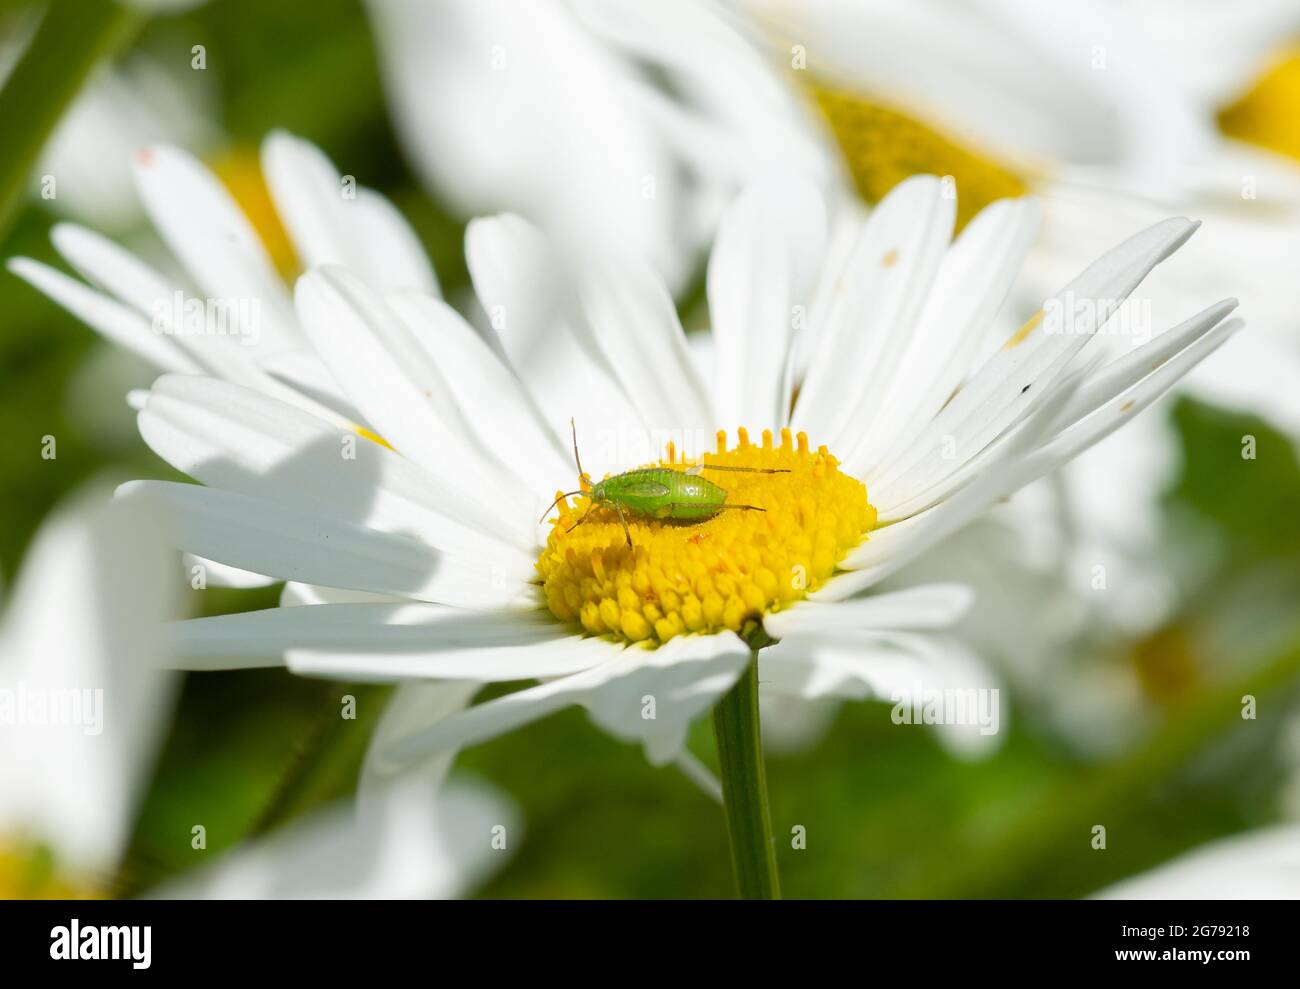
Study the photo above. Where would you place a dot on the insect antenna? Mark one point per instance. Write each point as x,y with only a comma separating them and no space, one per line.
582,474
567,494
697,468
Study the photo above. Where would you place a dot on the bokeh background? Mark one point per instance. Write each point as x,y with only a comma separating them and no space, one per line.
888,812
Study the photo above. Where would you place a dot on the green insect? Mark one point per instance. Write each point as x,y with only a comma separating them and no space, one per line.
659,493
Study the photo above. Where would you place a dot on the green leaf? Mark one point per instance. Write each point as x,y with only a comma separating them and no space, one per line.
72,38
1242,476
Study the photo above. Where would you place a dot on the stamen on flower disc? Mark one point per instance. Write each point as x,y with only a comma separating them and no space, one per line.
716,574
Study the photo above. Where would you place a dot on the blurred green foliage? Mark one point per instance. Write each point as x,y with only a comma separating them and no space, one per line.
887,812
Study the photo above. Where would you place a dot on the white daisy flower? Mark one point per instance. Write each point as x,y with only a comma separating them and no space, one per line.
1060,101
1081,105
437,527
509,107
80,716
1098,111
83,709
123,108
227,311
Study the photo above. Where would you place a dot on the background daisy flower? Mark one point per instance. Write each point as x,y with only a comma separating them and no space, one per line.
86,708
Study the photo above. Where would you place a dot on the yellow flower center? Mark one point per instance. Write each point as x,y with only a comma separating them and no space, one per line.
1166,665
28,872
705,576
883,146
241,174
1268,114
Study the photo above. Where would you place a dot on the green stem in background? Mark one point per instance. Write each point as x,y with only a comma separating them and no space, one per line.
326,763
72,38
744,788
1054,823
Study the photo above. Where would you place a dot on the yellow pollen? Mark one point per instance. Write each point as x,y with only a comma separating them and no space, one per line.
883,146
1268,113
240,173
681,577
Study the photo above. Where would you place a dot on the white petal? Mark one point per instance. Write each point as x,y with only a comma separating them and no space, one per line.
491,400
84,617
220,575
413,706
532,115
1126,371
685,677
1019,376
287,543
294,595
497,657
231,437
890,547
1024,458
723,103
873,310
973,281
635,325
362,231
214,240
896,667
402,394
529,301
411,841
1258,865
927,606
121,324
384,642
304,373
768,246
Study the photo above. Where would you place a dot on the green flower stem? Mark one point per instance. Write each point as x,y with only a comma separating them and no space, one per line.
744,788
72,38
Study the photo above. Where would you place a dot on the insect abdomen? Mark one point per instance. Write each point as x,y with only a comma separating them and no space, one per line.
662,493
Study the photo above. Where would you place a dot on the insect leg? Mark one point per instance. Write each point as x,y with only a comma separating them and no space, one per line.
626,531
581,520
743,508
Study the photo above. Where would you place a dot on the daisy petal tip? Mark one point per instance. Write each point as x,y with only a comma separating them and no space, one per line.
130,489
63,230
20,266
280,137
